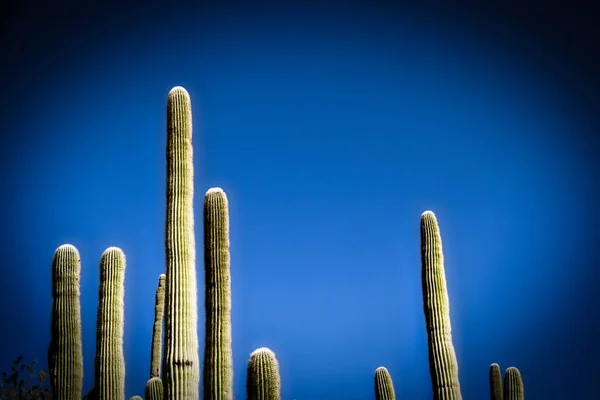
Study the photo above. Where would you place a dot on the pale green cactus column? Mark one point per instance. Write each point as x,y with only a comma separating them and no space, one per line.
65,357
495,382
262,376
159,307
154,389
218,362
513,384
109,373
384,386
181,369
443,366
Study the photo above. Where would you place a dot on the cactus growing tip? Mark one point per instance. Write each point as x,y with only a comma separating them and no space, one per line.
263,350
428,213
214,190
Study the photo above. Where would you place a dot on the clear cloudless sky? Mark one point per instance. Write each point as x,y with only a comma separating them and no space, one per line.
331,129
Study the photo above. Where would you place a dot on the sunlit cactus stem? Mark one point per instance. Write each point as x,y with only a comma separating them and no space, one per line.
443,366
65,356
218,363
513,384
109,374
384,386
495,382
181,369
159,307
262,376
154,389
136,398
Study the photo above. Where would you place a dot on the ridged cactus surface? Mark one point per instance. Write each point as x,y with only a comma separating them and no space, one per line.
109,373
384,386
65,357
443,366
159,307
218,363
154,389
262,376
495,382
181,369
136,398
513,384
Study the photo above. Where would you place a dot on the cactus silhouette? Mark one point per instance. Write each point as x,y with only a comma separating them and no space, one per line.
154,389
218,363
384,387
495,382
513,384
159,307
262,376
181,370
443,366
109,374
65,356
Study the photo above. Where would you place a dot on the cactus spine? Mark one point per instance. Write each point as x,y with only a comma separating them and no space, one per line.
495,382
109,371
218,363
181,368
262,376
159,307
513,384
65,356
154,389
384,387
443,366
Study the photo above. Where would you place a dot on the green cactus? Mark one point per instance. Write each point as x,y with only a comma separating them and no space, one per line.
65,356
495,382
109,374
136,398
154,389
159,307
218,363
384,387
443,366
262,377
181,369
513,384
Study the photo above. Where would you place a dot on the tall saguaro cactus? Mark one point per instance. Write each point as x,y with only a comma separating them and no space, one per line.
109,373
218,363
262,376
495,382
159,307
513,384
384,386
181,369
443,366
65,356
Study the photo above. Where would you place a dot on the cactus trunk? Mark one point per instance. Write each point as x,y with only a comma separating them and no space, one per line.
262,377
513,384
443,366
154,389
218,363
181,368
384,387
159,307
65,356
495,382
110,363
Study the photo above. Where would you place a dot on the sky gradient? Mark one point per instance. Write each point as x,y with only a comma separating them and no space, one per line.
331,129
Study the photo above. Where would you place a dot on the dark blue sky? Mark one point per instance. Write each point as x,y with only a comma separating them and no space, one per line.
331,129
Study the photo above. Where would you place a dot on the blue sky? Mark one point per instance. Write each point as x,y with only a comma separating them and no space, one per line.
331,131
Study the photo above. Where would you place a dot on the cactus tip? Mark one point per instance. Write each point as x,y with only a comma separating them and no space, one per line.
382,369
178,89
262,350
215,190
67,247
428,213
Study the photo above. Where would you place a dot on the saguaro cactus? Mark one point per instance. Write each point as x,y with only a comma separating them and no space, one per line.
218,363
443,366
181,369
159,307
513,384
109,377
262,377
384,387
154,389
65,357
495,382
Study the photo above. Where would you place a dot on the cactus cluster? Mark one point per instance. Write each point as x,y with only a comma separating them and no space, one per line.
174,364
